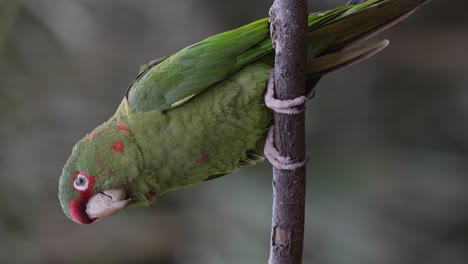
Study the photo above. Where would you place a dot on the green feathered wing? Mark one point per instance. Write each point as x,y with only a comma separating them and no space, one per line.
196,68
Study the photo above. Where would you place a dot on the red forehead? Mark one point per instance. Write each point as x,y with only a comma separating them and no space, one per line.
77,206
77,209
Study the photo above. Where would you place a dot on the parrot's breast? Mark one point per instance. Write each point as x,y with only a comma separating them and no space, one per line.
214,133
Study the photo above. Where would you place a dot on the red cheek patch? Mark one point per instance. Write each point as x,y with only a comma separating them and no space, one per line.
151,196
118,146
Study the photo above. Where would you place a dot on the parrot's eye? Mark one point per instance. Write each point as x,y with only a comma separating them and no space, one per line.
81,183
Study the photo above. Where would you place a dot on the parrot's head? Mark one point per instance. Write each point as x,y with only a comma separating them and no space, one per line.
103,175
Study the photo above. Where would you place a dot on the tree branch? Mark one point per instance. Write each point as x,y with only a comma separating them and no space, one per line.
288,31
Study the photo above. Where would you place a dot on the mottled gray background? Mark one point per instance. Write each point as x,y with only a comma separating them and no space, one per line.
388,140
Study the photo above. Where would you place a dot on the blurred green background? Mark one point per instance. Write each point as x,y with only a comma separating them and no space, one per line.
388,140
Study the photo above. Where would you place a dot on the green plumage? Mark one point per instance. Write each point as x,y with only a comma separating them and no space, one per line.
199,113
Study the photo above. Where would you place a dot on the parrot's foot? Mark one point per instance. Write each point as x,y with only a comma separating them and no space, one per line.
290,106
274,157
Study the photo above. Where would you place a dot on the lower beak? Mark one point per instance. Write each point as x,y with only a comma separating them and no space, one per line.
107,203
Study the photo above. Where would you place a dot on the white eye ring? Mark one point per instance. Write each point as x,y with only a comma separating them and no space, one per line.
81,182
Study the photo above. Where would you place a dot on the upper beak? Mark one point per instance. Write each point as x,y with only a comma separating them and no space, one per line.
106,203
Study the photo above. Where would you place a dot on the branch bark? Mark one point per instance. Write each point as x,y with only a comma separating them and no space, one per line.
288,20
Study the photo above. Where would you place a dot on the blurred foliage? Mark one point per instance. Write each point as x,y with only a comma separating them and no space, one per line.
388,144
8,11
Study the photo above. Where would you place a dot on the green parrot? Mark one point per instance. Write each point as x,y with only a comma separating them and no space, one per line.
200,113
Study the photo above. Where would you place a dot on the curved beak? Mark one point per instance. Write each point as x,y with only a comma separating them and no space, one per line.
107,203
